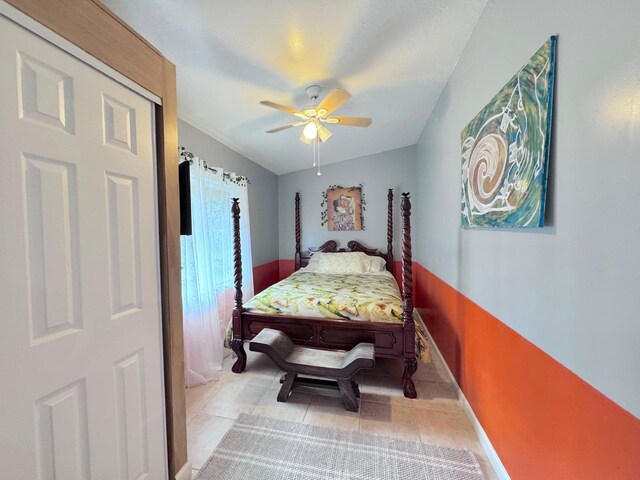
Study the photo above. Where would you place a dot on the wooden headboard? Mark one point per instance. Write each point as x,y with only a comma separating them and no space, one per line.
353,246
331,246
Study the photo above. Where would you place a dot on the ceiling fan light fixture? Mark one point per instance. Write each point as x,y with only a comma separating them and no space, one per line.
314,117
310,131
324,133
304,139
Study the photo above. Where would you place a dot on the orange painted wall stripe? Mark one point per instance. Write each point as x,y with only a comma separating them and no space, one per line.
265,275
286,268
544,421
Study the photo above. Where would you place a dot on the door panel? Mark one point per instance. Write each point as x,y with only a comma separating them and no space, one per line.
131,418
124,250
45,94
80,329
52,237
119,123
62,434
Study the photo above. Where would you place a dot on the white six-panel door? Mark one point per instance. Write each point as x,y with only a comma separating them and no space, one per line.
81,391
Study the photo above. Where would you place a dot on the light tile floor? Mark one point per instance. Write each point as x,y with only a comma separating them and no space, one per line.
435,417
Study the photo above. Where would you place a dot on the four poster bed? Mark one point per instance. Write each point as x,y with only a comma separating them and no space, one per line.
394,337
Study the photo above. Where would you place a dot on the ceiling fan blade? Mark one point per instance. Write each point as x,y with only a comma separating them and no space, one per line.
333,100
350,121
324,133
284,127
284,108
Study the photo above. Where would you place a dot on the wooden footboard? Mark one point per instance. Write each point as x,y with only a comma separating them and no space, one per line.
388,338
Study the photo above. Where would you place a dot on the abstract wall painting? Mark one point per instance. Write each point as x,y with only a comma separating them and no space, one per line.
505,150
344,208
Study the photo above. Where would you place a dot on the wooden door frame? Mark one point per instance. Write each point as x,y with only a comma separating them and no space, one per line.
91,26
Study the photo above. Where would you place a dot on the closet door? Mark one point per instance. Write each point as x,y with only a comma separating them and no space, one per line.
80,330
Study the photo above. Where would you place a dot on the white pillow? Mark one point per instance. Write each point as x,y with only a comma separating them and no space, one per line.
314,262
344,262
378,264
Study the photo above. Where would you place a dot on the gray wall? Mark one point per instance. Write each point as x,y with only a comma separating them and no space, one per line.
572,288
263,190
393,169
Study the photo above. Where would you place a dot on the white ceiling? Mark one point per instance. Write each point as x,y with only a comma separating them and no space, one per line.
394,57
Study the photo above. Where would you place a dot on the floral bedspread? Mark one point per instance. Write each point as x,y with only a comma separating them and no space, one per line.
372,298
365,297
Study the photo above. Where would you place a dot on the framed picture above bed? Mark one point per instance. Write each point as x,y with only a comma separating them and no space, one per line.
343,208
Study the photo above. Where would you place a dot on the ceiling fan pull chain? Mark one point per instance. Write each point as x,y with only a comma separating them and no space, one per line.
313,146
318,155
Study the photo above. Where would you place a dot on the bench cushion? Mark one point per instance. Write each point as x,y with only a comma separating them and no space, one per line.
312,361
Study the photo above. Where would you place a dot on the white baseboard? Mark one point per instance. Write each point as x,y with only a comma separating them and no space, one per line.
185,472
485,443
489,451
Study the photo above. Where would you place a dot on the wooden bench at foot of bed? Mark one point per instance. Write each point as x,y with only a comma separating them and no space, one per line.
335,368
395,340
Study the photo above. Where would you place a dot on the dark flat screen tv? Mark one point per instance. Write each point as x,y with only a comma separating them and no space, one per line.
185,198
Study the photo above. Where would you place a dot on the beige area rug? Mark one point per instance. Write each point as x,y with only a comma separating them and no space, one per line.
269,449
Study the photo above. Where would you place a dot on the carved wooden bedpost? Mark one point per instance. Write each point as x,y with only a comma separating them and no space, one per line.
410,361
390,230
298,247
237,344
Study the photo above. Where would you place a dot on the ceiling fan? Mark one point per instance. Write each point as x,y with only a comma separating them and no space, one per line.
315,116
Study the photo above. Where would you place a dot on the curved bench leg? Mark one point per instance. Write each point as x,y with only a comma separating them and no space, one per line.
237,345
356,389
287,385
348,395
410,367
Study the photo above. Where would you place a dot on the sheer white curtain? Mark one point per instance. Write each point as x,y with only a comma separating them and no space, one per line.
207,269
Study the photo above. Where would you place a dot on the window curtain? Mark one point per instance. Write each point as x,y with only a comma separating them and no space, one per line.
207,268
